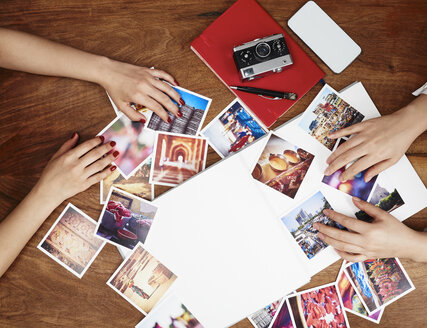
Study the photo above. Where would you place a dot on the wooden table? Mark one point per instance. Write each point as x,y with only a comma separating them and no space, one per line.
39,113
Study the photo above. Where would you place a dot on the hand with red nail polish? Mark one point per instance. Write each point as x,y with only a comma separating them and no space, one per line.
130,86
378,143
73,168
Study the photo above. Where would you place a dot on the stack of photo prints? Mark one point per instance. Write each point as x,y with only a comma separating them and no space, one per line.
168,154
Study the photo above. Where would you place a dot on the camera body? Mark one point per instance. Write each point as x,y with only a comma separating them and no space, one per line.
261,57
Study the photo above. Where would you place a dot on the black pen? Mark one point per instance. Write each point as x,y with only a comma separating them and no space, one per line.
267,93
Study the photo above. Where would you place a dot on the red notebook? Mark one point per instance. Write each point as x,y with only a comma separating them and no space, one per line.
245,21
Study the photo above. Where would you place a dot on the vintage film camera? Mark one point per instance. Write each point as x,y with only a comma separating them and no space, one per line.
261,57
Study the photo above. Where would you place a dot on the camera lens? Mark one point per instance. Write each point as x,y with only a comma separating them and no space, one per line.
262,49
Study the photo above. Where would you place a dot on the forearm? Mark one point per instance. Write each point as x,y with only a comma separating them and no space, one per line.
416,114
21,224
29,53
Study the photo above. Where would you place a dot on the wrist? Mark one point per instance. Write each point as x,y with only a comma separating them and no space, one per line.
413,249
103,71
42,194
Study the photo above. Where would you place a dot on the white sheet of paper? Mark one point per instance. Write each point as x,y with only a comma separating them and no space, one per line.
220,232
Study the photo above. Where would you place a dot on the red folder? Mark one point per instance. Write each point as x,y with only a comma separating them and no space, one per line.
245,21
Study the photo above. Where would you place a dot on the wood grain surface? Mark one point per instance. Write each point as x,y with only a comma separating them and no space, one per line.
39,113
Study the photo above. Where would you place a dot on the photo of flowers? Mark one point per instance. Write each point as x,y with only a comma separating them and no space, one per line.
282,166
71,241
170,313
379,282
177,158
194,112
138,184
318,307
234,128
125,219
352,302
299,221
327,113
133,142
141,279
263,317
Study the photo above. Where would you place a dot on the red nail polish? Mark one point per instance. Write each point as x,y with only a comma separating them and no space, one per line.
102,139
176,82
113,168
112,143
179,114
181,101
142,121
73,135
116,153
169,120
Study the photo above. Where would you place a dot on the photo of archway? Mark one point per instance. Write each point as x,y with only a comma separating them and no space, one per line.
142,279
177,158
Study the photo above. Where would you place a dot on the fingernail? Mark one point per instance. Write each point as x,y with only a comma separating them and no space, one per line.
116,153
169,120
181,101
176,82
113,168
179,114
331,135
112,143
73,135
357,200
367,178
328,161
102,138
320,235
142,120
316,226
342,179
327,171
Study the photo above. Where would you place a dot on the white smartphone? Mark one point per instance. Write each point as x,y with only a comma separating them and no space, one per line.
328,41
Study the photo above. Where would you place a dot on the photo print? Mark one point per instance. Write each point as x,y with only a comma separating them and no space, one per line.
142,280
283,318
378,282
133,142
318,307
385,196
194,112
263,317
125,219
234,128
71,241
299,221
170,313
351,301
356,186
138,184
177,158
282,166
328,113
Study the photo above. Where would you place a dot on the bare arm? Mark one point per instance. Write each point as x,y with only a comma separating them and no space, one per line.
125,83
379,143
67,173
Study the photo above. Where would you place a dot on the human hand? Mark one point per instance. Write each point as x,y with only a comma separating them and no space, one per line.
377,144
126,83
74,169
384,237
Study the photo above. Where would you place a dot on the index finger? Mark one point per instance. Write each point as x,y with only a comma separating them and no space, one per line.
347,131
162,75
86,146
348,222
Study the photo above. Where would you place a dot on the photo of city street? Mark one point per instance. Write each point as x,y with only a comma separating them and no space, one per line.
326,114
300,220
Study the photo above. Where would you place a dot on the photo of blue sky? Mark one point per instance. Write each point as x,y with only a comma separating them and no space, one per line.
308,115
310,206
192,100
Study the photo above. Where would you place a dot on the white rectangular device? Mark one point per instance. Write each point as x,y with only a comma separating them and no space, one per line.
328,41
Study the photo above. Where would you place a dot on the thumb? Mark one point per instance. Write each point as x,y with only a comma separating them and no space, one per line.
372,210
69,144
133,114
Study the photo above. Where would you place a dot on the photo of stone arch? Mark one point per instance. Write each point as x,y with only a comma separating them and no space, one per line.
177,158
